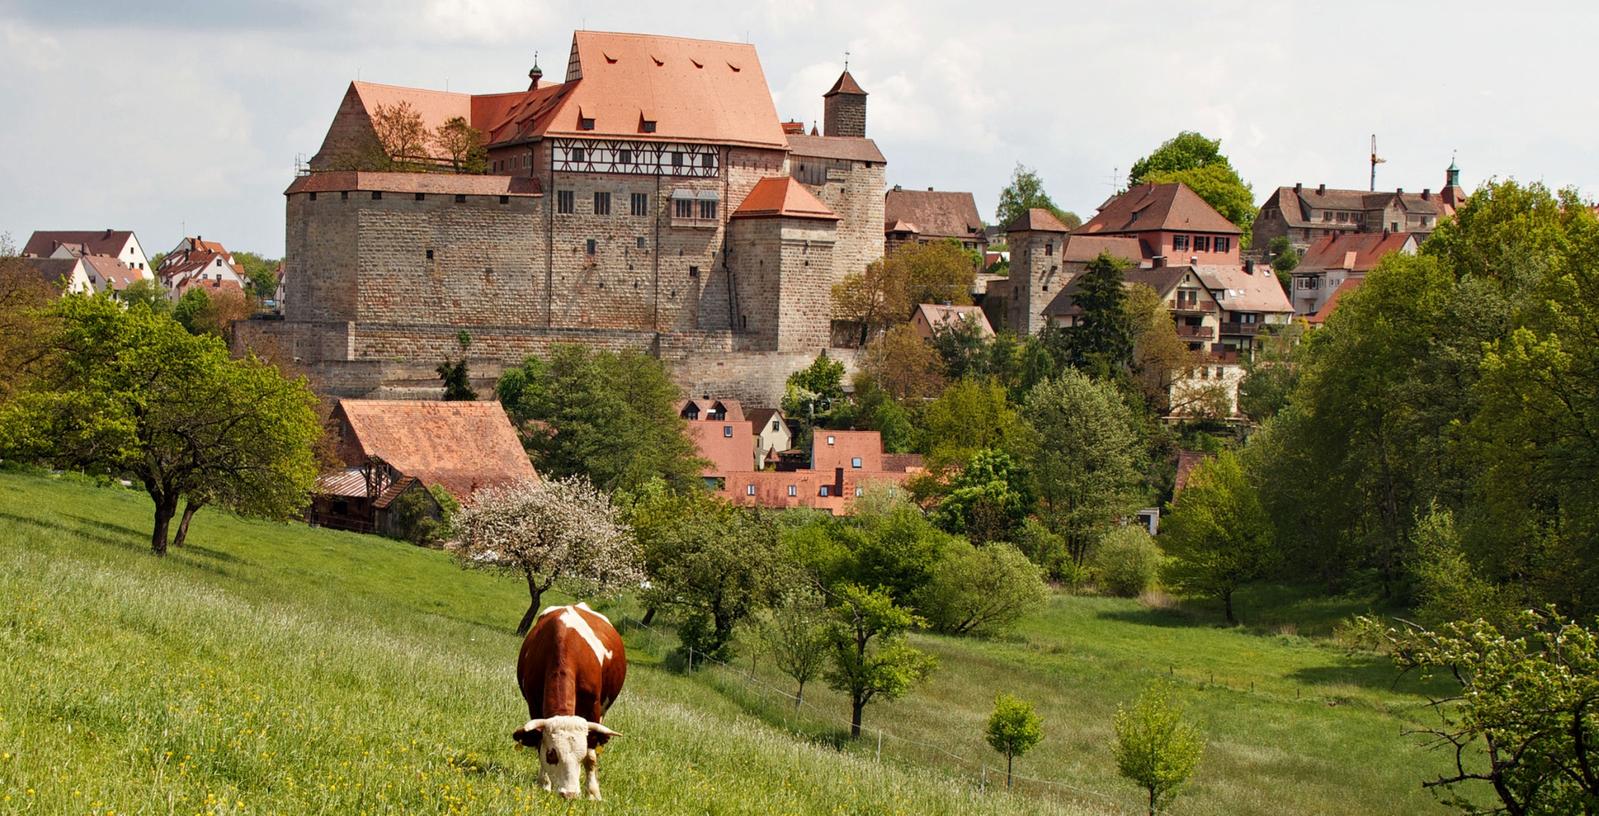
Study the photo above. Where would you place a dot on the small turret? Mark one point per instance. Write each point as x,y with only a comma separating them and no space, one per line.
536,74
844,108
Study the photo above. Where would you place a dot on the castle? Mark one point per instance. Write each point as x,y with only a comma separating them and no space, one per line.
652,200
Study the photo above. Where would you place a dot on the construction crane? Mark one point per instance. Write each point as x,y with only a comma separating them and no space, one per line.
1374,162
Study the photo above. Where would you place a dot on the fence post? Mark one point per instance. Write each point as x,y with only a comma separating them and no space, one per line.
879,745
984,785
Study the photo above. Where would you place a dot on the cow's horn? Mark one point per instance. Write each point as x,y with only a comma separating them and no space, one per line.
600,729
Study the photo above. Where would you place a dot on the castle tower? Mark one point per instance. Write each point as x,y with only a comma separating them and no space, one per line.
844,108
1037,242
1453,194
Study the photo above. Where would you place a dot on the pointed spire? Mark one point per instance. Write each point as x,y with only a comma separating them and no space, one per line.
1453,172
537,74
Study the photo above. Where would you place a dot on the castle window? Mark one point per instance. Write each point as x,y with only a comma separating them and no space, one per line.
1179,243
641,242
505,199
344,195
677,159
602,203
682,208
430,254
565,202
313,196
641,203
1049,248
576,153
421,196
585,123
1223,244
706,160
624,156
459,198
377,195
647,125
707,210
693,271
592,247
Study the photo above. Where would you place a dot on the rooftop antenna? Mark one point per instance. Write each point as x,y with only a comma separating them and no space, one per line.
1115,180
1374,162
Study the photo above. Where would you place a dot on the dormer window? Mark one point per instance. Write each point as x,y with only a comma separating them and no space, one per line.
585,123
646,126
727,431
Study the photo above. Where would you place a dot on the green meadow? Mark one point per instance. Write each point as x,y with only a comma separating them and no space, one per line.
270,668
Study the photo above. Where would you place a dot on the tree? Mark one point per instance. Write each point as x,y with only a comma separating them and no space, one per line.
147,293
1523,720
1271,372
565,530
1159,356
463,144
874,409
888,545
903,364
24,324
1155,747
401,137
1026,192
416,517
1084,456
1128,561
1217,533
213,313
457,378
889,289
712,561
963,347
987,500
1101,342
981,590
1013,729
609,415
812,393
795,633
969,416
261,273
127,391
871,658
1198,162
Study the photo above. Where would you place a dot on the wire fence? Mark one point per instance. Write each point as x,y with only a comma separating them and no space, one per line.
985,774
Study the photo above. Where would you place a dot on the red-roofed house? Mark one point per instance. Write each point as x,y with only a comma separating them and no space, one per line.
842,465
1306,216
1327,306
1045,257
120,244
1336,257
393,447
196,262
930,317
932,215
1170,221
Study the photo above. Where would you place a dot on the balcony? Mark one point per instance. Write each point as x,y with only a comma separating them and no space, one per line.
1233,327
1223,355
1194,308
1195,332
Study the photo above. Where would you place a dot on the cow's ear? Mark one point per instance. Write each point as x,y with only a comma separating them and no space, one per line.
596,739
530,734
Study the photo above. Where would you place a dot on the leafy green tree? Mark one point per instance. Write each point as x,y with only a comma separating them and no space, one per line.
463,145
1127,561
981,590
202,312
876,410
812,393
417,518
713,563
963,348
1284,260
888,290
1101,342
890,544
147,293
968,417
1084,455
1156,748
1522,723
1159,357
988,499
455,374
1198,162
548,532
904,365
1026,192
1272,372
610,415
794,631
261,273
1046,549
24,325
872,659
130,392
1013,729
1217,533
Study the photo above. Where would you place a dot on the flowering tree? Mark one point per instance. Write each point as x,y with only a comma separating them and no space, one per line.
566,530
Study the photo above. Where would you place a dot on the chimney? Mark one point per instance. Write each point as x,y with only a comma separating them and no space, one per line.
108,232
1400,191
1249,267
1157,262
929,189
1321,189
1299,187
897,188
1426,194
1193,260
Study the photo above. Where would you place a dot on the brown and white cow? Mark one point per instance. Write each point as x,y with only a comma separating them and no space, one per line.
570,670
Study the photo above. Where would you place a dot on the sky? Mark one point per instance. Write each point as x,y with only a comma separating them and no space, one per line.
174,117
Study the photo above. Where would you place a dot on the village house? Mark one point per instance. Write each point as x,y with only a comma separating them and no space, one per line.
395,447
772,435
1306,216
75,272
122,245
932,215
1044,257
196,262
68,275
1338,257
930,317
614,213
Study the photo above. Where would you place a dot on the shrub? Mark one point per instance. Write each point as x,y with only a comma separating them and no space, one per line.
980,590
1127,561
1156,747
1048,550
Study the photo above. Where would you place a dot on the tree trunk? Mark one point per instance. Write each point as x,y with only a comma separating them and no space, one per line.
856,706
165,509
1151,802
649,615
799,696
534,592
190,507
1227,603
1007,770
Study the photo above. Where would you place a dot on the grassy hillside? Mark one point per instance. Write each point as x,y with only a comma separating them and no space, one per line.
274,668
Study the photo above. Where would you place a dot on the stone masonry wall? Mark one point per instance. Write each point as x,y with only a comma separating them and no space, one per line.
844,115
320,259
856,197
1036,278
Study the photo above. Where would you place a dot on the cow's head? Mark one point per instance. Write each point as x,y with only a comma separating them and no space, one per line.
562,743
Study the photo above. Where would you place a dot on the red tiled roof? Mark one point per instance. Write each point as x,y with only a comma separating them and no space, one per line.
435,107
1297,206
782,197
1237,290
933,315
1350,284
759,418
732,410
935,213
694,90
434,183
843,148
95,242
1187,460
1352,251
728,446
846,84
903,463
1037,220
1084,248
53,271
115,273
461,446
1157,207
845,447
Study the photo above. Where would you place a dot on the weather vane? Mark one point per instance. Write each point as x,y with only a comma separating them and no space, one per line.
846,60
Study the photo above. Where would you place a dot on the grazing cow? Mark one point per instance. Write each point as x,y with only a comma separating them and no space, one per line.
570,670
